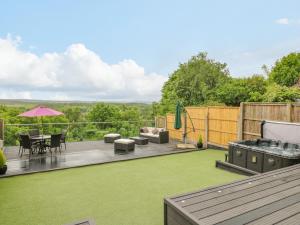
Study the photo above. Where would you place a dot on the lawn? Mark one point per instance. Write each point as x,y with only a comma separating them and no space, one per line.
122,193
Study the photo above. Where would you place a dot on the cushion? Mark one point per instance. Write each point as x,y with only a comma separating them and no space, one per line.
150,135
124,141
145,130
155,131
112,135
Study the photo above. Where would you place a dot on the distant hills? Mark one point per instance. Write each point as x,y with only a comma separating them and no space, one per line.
19,102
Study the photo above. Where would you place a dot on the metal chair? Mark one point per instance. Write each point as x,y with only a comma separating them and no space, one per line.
20,144
63,138
27,144
34,132
54,142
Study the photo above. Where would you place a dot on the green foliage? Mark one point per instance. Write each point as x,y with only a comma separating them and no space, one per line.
125,119
277,93
241,90
104,113
73,114
286,70
202,81
2,158
200,141
193,82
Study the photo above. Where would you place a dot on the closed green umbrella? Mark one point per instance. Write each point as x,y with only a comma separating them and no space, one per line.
177,124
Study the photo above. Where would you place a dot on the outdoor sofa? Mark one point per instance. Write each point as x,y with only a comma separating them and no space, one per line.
155,135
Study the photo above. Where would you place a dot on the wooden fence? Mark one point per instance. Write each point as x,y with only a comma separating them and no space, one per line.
216,125
252,114
219,125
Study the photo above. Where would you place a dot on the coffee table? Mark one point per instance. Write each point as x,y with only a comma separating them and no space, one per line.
140,140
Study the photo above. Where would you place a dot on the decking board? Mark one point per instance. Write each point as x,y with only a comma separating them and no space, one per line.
237,195
277,216
281,172
268,198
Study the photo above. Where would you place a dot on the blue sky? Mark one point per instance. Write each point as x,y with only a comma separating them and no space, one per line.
158,35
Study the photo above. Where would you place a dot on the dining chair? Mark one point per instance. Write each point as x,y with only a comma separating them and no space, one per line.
20,144
34,132
27,144
63,138
54,142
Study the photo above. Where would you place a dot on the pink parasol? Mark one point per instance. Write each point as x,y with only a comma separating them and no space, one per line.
41,111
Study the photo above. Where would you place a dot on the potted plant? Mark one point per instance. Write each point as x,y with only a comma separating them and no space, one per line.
3,166
200,143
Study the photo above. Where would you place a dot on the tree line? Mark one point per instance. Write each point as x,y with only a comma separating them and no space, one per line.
78,120
204,81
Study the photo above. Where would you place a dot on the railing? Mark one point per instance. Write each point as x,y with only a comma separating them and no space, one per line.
77,131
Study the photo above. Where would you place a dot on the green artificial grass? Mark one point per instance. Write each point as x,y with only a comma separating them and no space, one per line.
122,193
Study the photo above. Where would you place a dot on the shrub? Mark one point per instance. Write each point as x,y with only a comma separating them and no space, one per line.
2,158
200,142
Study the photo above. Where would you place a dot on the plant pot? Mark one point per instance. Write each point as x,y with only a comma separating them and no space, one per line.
199,145
3,169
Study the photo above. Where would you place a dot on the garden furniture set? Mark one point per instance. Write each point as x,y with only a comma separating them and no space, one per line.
33,141
147,134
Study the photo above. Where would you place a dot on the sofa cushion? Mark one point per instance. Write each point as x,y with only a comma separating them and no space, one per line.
145,130
155,131
150,135
124,141
112,135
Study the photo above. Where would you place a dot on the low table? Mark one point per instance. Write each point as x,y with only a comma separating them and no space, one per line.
140,140
124,145
41,139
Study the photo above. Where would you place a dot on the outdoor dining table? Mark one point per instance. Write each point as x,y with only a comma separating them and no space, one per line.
41,139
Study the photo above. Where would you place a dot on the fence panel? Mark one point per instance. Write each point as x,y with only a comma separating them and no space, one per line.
216,125
160,121
254,113
222,125
296,112
173,133
196,118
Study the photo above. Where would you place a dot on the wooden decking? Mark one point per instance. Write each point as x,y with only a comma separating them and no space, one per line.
269,198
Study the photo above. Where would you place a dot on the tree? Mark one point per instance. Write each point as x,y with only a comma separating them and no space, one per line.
277,93
194,82
73,114
104,113
239,90
286,70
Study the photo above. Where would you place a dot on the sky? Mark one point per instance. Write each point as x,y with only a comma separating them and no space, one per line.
125,50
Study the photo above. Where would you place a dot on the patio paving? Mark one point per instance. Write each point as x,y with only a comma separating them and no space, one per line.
80,154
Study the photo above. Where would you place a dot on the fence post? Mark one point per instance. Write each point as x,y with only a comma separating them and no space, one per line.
2,129
206,127
289,112
241,122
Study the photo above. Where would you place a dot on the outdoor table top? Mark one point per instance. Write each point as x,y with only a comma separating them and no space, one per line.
268,198
40,137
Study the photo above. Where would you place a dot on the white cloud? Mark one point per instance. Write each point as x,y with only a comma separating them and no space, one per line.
287,21
283,21
78,73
